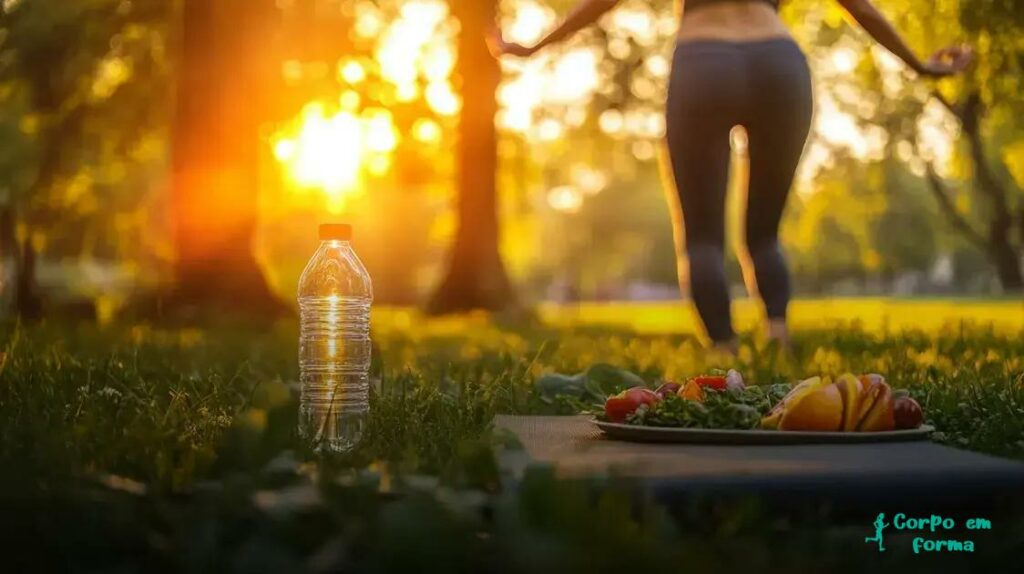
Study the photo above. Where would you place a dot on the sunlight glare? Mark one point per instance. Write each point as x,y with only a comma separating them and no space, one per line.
844,60
407,92
574,78
334,147
284,150
638,23
368,21
566,199
590,181
549,130
351,72
442,99
438,63
427,131
611,122
326,151
529,23
381,136
349,100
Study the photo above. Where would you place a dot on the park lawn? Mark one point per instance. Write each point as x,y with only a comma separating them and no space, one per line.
157,404
128,446
872,314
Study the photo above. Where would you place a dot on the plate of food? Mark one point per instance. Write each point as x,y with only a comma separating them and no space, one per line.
715,409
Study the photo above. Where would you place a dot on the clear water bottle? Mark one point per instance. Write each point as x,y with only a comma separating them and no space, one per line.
335,294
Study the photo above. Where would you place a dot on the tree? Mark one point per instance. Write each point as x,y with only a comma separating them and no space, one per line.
476,276
1001,236
831,238
992,95
905,236
75,102
981,201
223,79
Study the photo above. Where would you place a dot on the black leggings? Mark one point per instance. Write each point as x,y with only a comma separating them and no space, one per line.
764,86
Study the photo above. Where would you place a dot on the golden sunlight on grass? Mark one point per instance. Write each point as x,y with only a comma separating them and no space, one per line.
873,315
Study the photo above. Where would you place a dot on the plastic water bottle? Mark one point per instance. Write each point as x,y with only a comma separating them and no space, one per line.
335,294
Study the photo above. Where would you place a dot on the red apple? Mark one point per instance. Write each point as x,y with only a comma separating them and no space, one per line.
908,413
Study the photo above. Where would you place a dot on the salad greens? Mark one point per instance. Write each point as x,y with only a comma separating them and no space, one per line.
733,408
720,409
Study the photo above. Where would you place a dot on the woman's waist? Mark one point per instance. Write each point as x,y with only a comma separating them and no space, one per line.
743,21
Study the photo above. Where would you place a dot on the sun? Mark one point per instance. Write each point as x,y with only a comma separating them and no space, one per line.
324,151
340,140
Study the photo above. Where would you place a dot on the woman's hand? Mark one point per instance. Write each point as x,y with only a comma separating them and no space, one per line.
947,62
499,47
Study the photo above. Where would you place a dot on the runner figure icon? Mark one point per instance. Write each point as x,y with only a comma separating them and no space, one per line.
880,525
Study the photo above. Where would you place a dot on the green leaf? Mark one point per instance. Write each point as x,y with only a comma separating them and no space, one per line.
555,385
604,380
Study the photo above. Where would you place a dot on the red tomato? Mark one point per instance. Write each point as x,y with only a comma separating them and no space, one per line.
617,408
620,406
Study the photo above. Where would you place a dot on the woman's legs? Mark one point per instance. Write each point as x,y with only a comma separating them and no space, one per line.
777,127
704,103
766,86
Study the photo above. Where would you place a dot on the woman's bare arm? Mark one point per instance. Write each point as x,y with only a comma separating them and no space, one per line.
584,14
945,62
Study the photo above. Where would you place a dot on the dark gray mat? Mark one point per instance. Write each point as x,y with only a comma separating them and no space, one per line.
923,472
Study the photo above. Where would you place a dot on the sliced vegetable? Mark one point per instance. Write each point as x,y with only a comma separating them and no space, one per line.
667,388
691,391
620,406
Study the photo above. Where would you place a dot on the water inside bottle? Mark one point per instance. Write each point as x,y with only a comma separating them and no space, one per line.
334,353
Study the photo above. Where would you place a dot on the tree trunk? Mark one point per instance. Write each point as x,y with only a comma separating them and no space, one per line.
1004,255
476,277
223,76
999,241
1007,262
28,303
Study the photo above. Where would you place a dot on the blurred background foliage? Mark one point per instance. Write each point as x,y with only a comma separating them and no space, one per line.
351,110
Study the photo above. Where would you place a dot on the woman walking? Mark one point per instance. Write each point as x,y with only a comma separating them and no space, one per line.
736,64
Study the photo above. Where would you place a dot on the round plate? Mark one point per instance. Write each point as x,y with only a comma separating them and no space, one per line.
634,433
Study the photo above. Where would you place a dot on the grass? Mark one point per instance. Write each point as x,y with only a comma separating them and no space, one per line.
184,429
154,403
